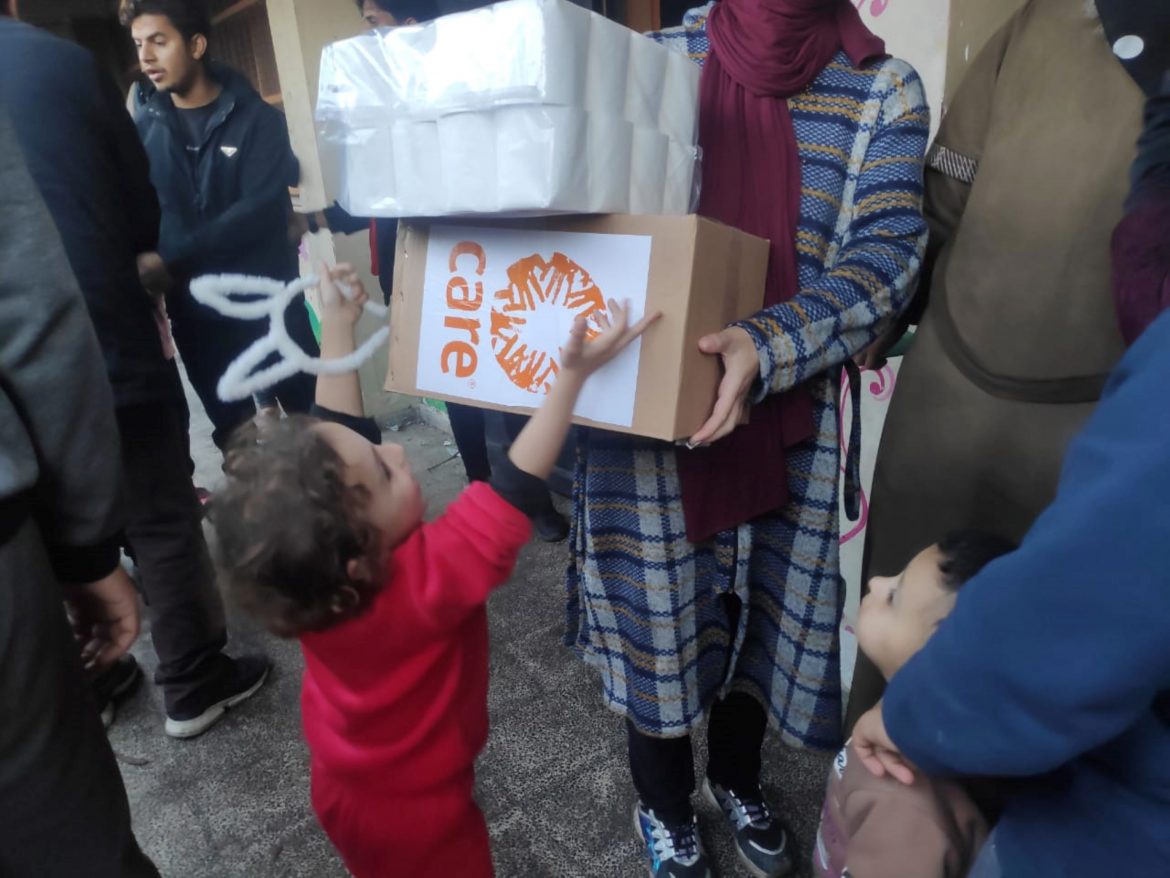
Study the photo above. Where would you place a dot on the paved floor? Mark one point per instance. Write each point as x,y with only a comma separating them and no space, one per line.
552,780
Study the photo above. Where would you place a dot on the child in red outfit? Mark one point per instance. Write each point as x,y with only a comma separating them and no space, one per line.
321,536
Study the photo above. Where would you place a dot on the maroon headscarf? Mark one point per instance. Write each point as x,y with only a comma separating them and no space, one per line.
762,53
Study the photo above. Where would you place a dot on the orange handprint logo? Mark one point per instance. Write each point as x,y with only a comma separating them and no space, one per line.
538,291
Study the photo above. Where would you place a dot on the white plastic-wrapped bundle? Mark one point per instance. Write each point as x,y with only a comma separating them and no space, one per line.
527,106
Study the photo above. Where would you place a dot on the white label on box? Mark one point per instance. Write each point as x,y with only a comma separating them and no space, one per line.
498,305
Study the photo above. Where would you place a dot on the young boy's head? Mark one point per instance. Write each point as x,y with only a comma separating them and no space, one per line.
306,521
394,13
901,612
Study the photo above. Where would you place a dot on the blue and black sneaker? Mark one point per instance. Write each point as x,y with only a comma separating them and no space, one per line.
673,851
760,840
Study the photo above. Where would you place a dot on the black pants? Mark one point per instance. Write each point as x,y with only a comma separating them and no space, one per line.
62,802
663,769
469,427
165,535
209,342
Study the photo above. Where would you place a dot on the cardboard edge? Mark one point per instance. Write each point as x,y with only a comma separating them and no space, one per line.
410,263
742,251
663,354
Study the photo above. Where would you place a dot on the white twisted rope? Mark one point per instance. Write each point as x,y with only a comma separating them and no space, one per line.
240,380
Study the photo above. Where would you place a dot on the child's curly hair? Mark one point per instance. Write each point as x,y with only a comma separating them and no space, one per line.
287,524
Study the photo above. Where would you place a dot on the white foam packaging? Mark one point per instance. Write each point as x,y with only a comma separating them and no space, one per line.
526,106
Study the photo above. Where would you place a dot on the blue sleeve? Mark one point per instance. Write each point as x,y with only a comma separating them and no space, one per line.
1059,647
270,168
871,279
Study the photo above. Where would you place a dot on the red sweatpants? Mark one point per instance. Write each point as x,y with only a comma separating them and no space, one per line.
433,834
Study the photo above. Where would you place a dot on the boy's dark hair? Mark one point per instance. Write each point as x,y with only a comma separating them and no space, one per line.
966,552
286,526
420,10
190,17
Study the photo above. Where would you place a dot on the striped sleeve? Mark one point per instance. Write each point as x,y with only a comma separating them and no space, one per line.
872,276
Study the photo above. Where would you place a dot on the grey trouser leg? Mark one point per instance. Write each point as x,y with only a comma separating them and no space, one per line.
165,531
62,799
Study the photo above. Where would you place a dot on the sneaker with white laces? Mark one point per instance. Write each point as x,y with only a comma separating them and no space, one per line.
760,840
673,851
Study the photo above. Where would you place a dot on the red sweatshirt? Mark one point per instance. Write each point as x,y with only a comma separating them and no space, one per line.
395,701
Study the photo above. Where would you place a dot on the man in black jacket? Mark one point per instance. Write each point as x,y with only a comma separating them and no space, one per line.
221,162
83,154
62,801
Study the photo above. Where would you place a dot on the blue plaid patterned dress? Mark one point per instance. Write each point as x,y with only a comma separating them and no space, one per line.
644,604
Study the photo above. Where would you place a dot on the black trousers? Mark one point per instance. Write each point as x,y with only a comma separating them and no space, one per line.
164,531
663,769
469,427
209,342
63,805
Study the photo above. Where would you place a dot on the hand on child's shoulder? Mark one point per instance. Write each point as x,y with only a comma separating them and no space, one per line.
614,334
342,294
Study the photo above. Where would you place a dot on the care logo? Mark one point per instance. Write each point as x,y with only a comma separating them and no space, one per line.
528,320
526,327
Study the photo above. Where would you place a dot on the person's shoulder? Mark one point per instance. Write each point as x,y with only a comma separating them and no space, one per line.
38,51
245,95
689,38
17,33
899,88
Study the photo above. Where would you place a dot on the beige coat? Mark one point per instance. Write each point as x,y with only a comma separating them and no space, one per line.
1024,186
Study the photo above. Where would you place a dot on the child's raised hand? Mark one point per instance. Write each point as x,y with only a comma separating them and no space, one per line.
336,308
586,357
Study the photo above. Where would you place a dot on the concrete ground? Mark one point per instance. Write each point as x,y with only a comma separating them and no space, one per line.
553,780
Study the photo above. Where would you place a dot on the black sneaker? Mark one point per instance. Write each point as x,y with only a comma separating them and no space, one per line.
673,851
760,839
240,680
115,684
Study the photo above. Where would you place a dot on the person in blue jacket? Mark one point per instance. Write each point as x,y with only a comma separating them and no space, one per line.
222,165
1075,697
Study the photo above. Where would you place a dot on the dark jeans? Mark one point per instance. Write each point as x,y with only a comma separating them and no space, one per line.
209,342
164,531
62,801
469,427
663,769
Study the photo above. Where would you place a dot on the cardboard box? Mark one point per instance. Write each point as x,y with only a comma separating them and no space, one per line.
480,310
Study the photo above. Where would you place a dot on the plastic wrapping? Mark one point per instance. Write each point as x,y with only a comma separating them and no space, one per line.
527,106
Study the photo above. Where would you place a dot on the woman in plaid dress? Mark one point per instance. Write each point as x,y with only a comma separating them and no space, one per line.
708,581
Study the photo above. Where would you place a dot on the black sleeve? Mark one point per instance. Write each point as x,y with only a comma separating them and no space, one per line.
1151,168
129,157
364,427
340,220
523,490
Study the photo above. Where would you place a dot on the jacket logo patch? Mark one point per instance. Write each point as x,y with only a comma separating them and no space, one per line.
229,151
